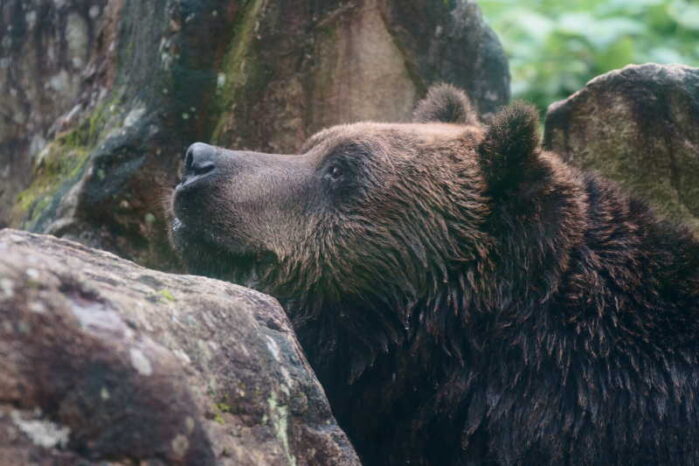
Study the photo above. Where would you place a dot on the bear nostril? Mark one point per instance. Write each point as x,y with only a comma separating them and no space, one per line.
189,159
200,159
202,168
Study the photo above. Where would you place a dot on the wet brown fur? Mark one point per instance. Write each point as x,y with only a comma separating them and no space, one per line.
471,299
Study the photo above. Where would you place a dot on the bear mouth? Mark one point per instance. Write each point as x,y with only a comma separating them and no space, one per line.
203,255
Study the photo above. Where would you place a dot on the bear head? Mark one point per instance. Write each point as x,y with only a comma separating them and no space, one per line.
377,233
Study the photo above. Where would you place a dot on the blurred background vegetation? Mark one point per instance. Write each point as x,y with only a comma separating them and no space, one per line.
555,46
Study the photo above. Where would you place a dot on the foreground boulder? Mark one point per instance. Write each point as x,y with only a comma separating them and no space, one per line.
103,360
640,127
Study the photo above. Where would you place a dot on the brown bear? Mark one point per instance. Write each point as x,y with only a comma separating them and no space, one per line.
464,296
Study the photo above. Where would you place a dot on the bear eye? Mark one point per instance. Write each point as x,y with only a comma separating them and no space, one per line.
335,172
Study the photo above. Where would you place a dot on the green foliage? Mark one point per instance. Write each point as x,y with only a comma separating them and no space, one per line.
555,47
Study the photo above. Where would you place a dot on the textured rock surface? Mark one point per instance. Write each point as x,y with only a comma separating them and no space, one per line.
255,74
45,47
105,361
638,126
308,68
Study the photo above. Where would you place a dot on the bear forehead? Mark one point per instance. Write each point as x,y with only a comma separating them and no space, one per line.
368,132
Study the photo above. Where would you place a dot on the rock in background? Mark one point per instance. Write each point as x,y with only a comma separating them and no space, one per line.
640,127
146,79
104,361
45,49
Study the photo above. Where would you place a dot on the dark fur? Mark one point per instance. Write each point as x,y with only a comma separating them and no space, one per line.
468,299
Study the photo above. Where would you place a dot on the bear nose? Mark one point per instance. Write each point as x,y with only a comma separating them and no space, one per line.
200,160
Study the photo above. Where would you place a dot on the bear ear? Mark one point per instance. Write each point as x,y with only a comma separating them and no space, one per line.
510,148
445,103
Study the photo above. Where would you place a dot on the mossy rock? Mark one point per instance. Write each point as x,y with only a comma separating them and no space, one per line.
637,126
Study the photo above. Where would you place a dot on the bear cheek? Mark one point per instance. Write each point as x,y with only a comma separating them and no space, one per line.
200,216
191,205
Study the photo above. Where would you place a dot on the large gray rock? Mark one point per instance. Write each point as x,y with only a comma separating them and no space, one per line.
256,74
105,362
640,127
45,47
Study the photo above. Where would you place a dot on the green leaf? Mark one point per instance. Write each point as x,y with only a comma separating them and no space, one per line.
685,14
555,47
666,55
620,54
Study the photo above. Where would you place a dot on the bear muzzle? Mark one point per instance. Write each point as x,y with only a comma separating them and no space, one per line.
243,202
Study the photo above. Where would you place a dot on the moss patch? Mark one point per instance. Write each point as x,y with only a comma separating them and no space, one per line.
61,163
218,410
167,295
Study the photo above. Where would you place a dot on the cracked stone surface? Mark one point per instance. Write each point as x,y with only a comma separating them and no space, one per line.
638,126
107,362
